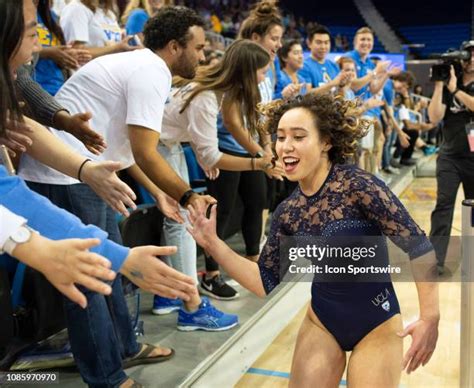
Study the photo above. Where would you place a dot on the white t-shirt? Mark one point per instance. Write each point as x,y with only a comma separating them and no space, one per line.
9,224
403,114
80,24
108,23
118,89
197,124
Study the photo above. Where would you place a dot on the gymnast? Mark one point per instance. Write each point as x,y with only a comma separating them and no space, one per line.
315,134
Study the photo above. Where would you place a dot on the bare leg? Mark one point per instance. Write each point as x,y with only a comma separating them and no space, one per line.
376,361
318,360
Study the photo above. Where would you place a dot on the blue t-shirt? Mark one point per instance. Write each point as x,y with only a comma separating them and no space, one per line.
284,80
362,68
47,73
318,74
136,21
388,92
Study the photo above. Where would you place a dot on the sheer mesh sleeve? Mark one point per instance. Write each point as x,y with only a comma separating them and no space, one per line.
269,260
380,205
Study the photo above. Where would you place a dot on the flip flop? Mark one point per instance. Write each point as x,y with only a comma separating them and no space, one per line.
142,357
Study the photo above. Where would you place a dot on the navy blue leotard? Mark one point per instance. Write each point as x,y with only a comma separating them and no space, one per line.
351,202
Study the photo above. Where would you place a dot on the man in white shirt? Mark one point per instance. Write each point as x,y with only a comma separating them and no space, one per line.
126,94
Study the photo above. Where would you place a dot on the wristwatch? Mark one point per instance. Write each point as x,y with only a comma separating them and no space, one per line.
19,236
185,198
259,154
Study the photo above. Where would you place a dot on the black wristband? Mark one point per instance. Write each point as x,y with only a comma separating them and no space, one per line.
80,169
185,198
454,93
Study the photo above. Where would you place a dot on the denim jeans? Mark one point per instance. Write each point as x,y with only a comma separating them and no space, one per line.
387,148
174,233
101,335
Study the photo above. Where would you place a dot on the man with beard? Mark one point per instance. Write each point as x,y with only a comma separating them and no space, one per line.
453,103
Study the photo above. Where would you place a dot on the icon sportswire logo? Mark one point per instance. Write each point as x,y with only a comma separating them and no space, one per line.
382,300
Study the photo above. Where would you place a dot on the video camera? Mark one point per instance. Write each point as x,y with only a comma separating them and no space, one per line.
441,72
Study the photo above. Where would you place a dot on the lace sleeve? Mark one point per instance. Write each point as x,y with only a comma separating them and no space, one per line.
380,205
269,260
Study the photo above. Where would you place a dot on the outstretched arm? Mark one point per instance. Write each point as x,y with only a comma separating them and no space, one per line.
244,271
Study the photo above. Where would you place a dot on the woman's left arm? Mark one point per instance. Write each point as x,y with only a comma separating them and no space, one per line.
383,207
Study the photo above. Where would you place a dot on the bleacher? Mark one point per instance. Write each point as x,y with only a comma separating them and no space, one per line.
447,36
437,26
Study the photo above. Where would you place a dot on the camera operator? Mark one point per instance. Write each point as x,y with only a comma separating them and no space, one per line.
453,103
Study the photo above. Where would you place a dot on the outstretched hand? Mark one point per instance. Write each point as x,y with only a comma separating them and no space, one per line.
202,228
147,271
424,333
69,262
79,127
102,178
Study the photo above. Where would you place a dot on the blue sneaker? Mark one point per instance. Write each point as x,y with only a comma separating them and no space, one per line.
162,306
430,150
207,318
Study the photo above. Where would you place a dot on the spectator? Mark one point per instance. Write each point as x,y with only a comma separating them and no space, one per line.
56,59
412,126
291,60
88,25
321,73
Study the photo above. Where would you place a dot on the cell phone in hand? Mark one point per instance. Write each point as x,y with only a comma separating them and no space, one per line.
6,161
135,41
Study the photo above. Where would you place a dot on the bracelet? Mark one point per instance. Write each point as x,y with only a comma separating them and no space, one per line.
80,169
185,197
252,163
454,93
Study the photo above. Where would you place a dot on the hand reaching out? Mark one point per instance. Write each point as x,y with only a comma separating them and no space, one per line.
102,178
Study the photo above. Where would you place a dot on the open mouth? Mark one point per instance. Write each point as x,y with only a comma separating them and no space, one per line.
290,163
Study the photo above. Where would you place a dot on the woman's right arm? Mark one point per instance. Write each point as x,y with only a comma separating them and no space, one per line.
244,271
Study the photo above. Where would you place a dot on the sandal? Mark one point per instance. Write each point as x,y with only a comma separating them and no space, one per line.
135,384
143,357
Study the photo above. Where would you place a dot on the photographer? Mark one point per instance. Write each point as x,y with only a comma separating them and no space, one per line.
453,103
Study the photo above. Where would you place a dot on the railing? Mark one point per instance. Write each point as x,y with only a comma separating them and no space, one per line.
467,295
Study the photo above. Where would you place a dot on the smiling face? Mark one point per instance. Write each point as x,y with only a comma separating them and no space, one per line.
300,148
364,43
294,60
29,41
271,41
349,68
320,45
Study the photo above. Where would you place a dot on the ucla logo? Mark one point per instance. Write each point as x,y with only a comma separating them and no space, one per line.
382,300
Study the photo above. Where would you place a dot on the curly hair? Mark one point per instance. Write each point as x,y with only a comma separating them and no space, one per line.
170,23
337,120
